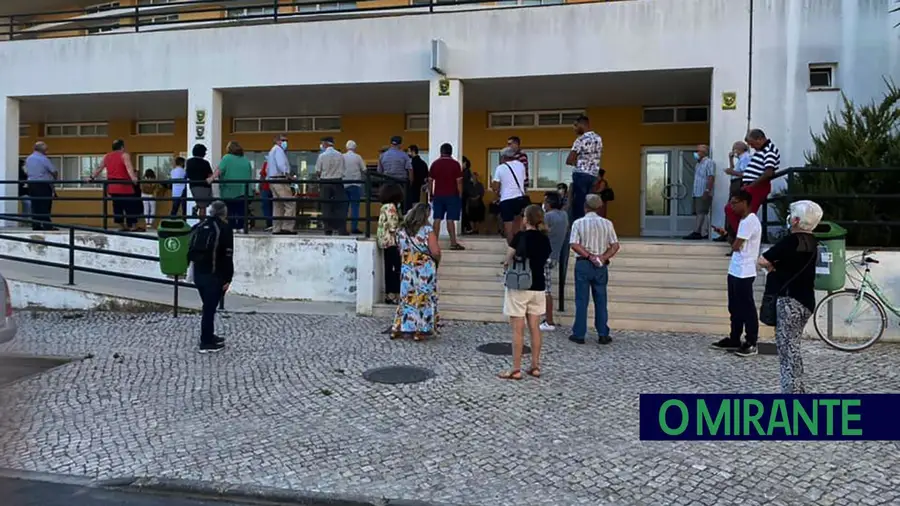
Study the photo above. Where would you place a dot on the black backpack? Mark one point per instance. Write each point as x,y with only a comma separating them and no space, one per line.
204,242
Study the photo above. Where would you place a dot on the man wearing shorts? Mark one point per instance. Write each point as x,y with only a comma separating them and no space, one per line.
704,181
508,181
446,179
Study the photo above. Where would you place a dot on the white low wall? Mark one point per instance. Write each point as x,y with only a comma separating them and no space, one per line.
29,296
322,269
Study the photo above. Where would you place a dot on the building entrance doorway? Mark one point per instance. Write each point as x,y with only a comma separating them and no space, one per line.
667,191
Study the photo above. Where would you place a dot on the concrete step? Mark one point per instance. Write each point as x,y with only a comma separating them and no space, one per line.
620,284
717,263
618,303
708,325
635,246
618,275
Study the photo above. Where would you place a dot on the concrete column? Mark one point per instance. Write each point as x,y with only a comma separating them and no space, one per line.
445,120
205,126
9,155
725,127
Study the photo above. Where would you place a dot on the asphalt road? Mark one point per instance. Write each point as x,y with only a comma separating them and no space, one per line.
15,492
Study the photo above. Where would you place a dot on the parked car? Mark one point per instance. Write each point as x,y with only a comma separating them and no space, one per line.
8,325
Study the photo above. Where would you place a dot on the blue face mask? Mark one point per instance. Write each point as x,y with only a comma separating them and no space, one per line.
283,144
696,156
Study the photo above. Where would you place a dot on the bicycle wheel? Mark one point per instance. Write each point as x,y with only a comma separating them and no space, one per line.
848,322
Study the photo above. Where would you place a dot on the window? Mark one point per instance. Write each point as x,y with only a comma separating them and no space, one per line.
161,165
531,119
546,167
76,167
821,76
157,2
155,128
417,122
528,3
687,114
246,12
24,130
278,125
326,7
75,130
93,9
303,163
108,25
159,20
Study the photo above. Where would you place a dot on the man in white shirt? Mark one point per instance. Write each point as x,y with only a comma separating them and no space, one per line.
741,276
179,199
594,242
278,173
509,181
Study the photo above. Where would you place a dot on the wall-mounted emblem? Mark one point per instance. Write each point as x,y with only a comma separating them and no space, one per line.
729,100
200,127
444,88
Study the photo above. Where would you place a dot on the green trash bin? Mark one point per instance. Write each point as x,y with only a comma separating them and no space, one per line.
831,262
174,237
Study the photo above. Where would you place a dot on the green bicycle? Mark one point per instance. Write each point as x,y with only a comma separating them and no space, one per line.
864,308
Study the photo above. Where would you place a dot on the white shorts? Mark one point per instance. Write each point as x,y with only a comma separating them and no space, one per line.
518,303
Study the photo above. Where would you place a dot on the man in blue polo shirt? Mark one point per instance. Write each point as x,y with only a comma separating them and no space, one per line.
397,164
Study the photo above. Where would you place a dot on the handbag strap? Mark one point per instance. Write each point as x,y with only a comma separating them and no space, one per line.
519,186
785,286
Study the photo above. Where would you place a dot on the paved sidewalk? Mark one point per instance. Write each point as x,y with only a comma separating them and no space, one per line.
285,406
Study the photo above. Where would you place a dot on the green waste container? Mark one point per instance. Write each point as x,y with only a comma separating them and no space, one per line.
831,262
174,237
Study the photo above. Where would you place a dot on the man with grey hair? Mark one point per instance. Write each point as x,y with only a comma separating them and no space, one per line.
41,174
757,177
211,252
330,171
594,241
704,182
509,182
354,170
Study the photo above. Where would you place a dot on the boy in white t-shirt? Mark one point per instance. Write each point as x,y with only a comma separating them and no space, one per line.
741,276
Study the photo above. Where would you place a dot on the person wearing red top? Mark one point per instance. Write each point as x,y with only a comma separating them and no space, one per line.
127,205
446,179
266,193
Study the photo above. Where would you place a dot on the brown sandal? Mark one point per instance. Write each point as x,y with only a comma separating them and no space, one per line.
421,336
515,375
534,372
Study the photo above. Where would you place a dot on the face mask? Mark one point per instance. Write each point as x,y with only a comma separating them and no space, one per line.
283,144
696,156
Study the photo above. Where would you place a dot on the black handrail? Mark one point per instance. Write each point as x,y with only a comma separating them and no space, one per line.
140,18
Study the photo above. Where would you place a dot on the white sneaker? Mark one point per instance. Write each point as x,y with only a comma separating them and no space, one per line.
546,327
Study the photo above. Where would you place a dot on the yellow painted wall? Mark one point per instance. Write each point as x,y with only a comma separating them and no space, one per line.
621,128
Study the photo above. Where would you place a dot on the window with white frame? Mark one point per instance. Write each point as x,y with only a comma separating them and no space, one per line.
326,7
108,25
546,167
244,12
76,167
154,128
416,122
24,130
533,119
159,20
821,76
75,130
681,114
161,165
293,124
108,6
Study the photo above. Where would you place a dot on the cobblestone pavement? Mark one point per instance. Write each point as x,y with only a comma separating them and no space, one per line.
286,406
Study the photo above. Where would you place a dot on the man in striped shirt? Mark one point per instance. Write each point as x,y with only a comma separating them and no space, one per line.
594,242
757,176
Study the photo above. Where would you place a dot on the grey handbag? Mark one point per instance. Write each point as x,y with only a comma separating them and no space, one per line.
518,274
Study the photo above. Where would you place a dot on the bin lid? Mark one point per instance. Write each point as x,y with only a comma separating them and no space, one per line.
829,230
173,228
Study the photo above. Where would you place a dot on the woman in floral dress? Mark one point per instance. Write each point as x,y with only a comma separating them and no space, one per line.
420,253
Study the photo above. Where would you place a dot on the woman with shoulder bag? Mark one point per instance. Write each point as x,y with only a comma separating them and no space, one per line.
790,297
524,299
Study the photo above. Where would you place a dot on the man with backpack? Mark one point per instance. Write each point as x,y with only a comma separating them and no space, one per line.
211,253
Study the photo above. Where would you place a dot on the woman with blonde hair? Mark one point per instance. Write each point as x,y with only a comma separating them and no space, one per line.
529,250
791,266
420,254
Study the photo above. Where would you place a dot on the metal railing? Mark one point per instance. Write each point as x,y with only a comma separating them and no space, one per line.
371,183
313,211
861,200
217,13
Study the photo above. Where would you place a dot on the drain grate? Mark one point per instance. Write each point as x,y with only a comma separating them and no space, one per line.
501,349
398,374
13,368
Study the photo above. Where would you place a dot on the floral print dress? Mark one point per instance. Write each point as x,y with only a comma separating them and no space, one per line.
417,311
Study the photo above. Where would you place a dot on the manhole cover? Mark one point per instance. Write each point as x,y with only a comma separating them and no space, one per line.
500,349
398,374
14,368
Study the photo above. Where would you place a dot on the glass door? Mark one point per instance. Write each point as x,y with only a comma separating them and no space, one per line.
667,198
